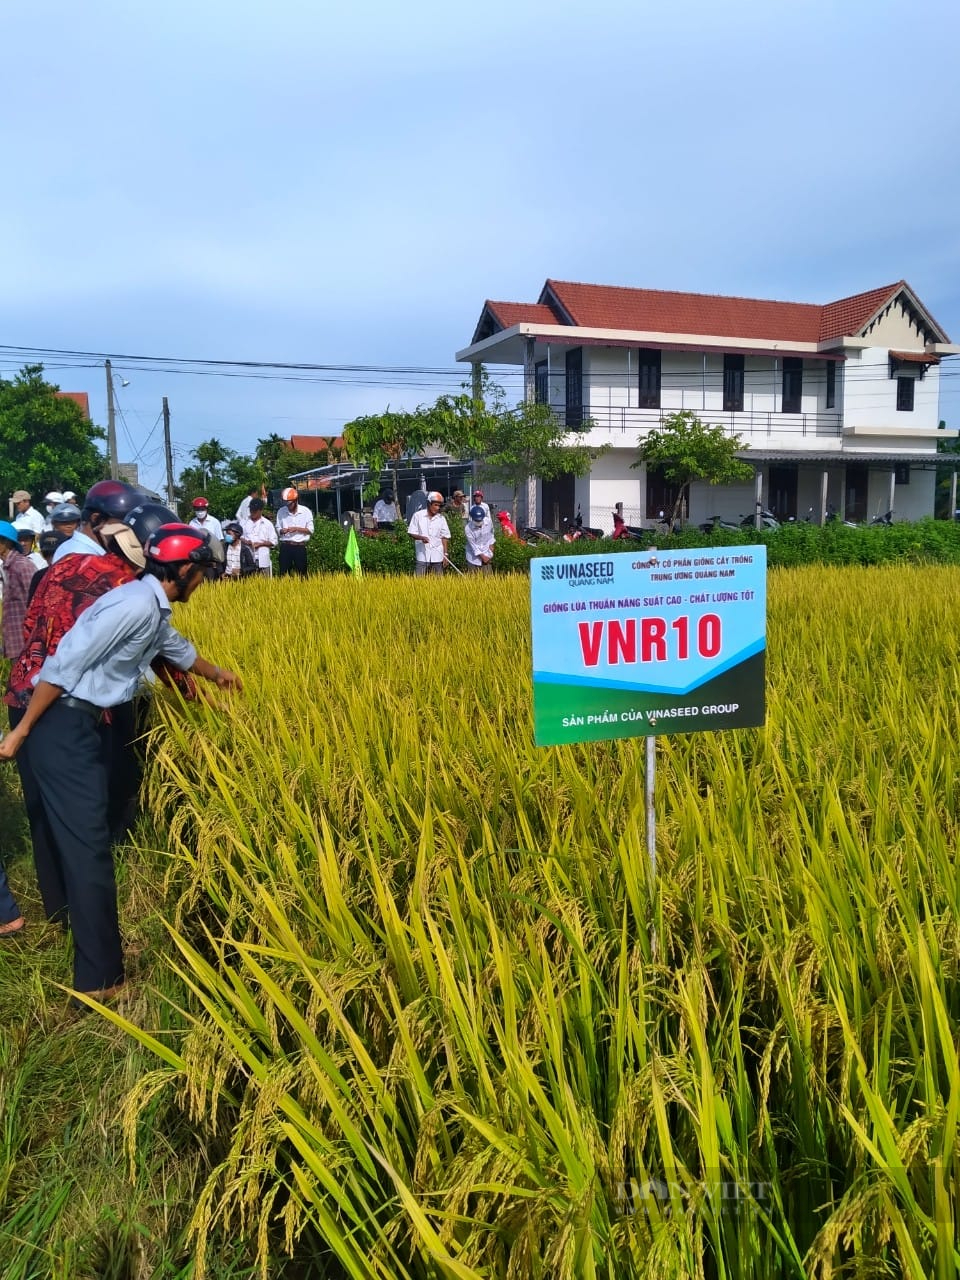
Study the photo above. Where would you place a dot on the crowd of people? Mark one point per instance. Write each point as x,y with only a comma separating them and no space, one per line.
427,524
81,641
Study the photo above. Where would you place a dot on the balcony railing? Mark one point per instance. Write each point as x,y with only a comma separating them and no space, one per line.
749,423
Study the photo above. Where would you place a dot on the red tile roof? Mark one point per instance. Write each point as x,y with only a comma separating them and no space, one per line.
849,315
79,397
592,306
510,313
660,311
315,444
915,357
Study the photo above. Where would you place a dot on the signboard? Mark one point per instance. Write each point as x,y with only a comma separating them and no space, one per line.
629,645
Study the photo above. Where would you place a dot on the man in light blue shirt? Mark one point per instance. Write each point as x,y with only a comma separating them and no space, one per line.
98,665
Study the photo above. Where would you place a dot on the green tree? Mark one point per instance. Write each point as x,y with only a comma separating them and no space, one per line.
45,440
686,449
529,440
380,440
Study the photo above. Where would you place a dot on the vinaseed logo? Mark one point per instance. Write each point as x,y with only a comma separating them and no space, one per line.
546,571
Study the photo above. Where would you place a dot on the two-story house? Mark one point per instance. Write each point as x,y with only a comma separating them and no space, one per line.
838,403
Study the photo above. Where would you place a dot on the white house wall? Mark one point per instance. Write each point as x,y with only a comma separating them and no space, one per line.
694,380
870,396
865,396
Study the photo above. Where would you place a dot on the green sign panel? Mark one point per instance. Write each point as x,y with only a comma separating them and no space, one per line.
654,642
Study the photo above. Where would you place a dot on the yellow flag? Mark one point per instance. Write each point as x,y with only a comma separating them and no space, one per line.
352,554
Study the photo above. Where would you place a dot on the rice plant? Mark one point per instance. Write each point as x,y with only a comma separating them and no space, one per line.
424,1021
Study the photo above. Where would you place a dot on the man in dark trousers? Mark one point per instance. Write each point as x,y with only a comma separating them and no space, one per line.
66,591
98,665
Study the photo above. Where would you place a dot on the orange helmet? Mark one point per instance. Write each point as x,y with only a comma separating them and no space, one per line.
290,495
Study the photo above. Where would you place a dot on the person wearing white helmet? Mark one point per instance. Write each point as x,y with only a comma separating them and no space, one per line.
294,531
51,500
430,531
69,496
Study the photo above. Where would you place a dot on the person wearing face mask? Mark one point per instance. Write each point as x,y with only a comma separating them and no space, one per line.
202,519
53,499
240,560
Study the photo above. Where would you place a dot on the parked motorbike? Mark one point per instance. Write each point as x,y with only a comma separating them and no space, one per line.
886,518
534,534
627,531
833,517
714,523
767,520
577,530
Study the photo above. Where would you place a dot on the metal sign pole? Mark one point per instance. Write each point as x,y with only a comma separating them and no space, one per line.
651,773
651,812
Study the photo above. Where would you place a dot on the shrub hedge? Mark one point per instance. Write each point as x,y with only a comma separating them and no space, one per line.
923,542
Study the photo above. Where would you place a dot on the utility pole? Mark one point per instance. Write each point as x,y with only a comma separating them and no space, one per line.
168,453
111,426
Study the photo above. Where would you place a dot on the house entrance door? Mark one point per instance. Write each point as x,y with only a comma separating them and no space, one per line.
855,493
782,492
557,501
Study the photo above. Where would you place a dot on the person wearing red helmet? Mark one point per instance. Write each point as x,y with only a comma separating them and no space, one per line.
202,519
98,665
294,531
64,592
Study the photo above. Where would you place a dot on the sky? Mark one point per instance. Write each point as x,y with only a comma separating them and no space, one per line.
334,184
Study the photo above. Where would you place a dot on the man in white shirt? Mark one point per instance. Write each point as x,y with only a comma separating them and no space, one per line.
294,530
429,529
260,535
243,511
27,516
202,519
385,511
477,501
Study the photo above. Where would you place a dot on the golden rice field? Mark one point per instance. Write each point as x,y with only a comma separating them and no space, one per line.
426,1019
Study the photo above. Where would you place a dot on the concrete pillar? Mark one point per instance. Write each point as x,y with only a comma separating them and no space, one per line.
893,487
824,480
953,495
529,397
757,498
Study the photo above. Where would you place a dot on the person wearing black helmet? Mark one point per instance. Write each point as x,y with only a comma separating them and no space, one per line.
98,665
107,501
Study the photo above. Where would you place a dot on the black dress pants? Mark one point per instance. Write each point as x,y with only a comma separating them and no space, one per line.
66,756
293,558
45,858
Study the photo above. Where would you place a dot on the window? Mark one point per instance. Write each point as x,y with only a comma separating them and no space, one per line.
905,394
792,384
733,383
901,472
649,364
541,383
831,385
574,397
